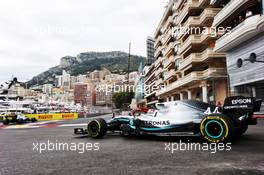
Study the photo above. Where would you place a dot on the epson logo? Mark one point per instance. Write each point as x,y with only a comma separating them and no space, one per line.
241,101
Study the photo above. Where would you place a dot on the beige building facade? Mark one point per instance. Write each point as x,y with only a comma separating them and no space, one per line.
186,65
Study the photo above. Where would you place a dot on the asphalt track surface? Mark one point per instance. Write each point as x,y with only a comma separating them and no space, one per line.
115,154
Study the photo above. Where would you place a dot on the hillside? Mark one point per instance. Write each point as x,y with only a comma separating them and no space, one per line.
115,61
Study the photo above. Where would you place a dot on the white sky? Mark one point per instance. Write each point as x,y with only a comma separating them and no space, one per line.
35,34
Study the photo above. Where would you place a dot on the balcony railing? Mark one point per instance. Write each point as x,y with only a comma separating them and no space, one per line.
177,5
167,37
158,51
208,13
169,74
201,20
200,57
164,17
227,11
168,49
194,76
247,29
159,71
168,10
168,23
168,62
159,82
147,78
193,39
157,42
190,4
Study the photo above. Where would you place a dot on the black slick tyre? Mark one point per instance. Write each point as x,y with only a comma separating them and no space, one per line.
97,128
217,128
5,122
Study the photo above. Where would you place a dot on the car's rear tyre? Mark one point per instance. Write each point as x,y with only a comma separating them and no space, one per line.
242,129
5,122
217,128
97,128
33,120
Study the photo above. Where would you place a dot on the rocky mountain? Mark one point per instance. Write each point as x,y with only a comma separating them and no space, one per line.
115,61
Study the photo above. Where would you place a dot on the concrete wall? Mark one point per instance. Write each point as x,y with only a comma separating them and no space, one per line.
249,72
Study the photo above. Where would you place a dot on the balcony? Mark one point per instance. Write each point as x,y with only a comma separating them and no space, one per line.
168,23
189,5
204,19
241,33
207,14
192,40
166,37
227,11
165,62
200,57
158,72
152,83
159,82
153,102
169,74
158,51
169,49
168,10
158,42
149,93
168,62
177,5
166,14
158,63
148,78
213,2
194,76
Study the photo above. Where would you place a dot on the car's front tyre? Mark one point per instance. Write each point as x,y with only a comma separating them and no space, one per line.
217,128
97,128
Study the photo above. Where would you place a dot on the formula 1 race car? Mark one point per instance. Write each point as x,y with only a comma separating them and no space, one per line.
16,119
183,118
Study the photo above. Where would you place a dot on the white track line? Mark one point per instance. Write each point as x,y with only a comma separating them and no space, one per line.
21,127
70,125
42,123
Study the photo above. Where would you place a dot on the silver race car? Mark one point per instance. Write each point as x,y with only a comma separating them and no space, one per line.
183,118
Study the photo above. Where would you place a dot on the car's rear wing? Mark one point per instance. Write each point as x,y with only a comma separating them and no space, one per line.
242,104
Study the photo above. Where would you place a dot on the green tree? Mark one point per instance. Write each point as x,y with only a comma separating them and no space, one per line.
122,98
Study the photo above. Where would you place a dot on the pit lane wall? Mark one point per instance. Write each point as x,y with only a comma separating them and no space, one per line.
59,116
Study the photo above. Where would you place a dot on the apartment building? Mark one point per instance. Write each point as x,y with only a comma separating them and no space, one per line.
186,65
103,98
244,45
150,85
149,74
84,94
150,50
